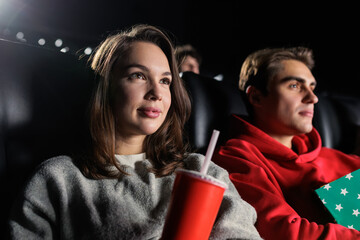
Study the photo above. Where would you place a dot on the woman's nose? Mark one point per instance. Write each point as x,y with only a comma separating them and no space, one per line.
154,93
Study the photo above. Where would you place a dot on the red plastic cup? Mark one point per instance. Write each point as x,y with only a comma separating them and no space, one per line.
194,204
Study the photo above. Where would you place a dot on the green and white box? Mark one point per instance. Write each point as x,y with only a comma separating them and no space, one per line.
342,198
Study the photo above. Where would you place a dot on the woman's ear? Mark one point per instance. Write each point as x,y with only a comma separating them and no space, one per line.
254,95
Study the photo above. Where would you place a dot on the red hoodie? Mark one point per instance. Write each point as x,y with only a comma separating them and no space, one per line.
280,182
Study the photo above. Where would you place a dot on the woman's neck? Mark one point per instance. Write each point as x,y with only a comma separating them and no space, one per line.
129,145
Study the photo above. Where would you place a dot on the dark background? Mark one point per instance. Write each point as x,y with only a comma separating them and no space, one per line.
224,32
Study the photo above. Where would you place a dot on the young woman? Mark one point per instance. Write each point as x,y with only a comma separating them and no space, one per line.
123,189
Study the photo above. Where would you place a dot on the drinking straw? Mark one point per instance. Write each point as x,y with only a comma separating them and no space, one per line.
209,152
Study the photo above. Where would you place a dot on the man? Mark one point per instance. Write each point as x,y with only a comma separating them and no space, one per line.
188,58
275,157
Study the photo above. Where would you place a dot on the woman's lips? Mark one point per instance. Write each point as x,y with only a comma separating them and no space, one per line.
150,112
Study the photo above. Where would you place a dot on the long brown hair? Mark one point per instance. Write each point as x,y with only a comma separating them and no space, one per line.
167,147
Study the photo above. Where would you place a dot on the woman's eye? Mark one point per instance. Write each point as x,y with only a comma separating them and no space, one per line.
165,81
137,76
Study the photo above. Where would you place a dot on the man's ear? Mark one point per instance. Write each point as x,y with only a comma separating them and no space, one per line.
254,95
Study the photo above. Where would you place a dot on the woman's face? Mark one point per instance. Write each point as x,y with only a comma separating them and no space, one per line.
141,84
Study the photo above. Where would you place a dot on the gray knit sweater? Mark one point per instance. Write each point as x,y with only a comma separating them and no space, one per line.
60,203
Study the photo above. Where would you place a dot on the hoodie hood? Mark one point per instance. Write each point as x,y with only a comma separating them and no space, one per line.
308,145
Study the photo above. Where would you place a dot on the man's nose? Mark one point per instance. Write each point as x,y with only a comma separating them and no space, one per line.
311,97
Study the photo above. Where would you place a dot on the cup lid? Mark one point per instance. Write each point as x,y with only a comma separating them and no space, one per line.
206,178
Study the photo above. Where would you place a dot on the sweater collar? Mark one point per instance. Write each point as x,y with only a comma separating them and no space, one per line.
308,145
130,160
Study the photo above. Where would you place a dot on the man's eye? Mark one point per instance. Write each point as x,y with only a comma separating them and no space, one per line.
165,81
295,85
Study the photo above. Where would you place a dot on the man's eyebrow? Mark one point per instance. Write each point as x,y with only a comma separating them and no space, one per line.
289,78
298,79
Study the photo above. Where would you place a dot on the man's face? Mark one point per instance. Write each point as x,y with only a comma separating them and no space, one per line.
190,64
288,108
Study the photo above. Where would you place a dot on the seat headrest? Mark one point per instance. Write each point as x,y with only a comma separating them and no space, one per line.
213,102
337,118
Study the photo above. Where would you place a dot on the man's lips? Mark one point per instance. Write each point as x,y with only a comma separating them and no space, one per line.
150,112
307,113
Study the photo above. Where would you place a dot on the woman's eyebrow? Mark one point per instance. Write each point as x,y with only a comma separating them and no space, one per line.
136,65
167,74
144,68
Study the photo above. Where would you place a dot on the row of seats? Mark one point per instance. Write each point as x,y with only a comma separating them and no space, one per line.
336,117
44,101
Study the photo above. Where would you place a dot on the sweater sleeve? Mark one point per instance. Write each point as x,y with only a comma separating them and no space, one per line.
276,218
236,218
31,222
33,215
36,213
